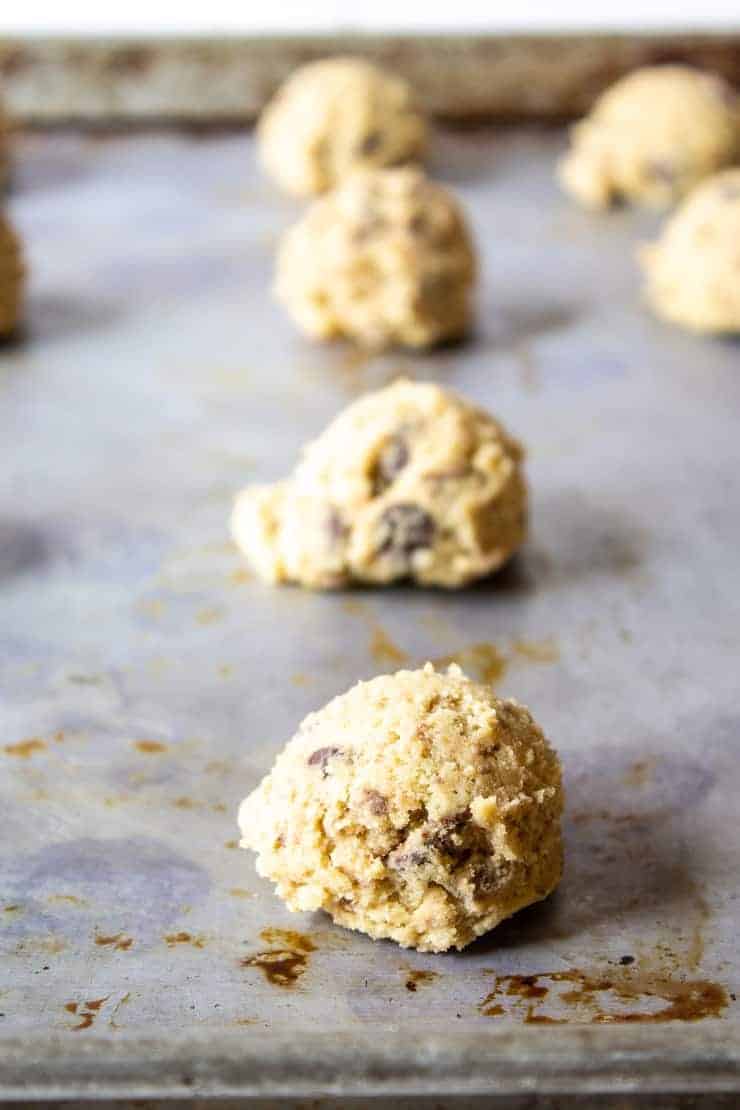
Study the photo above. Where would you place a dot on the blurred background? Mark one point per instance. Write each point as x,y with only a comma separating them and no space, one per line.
80,16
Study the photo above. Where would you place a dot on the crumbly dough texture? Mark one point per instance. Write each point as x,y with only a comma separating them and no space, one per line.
651,137
385,259
334,116
12,274
407,482
416,806
693,271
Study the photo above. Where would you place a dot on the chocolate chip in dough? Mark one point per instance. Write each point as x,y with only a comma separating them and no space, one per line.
404,529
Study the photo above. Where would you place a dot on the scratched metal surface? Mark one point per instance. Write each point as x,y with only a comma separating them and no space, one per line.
147,681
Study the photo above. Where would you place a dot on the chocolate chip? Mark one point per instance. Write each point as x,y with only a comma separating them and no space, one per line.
371,143
377,803
626,960
404,529
409,859
393,457
418,224
484,880
445,836
321,757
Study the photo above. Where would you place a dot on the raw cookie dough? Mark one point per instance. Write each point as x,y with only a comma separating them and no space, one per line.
4,148
334,116
409,482
693,271
12,275
416,806
386,258
651,137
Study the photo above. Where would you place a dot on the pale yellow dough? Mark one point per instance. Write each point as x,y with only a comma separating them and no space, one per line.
408,482
4,147
12,275
693,271
335,116
385,259
416,806
651,137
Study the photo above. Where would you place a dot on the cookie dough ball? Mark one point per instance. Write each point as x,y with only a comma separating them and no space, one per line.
384,259
417,806
4,148
693,271
409,482
12,275
651,137
334,116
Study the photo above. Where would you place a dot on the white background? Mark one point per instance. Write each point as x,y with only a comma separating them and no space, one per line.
218,16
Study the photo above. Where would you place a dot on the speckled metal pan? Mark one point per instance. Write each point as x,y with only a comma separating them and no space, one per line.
147,680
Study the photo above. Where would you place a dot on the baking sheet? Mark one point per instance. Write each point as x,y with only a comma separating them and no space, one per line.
201,80
147,680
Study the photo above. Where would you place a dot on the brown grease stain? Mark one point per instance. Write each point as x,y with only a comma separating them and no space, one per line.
209,615
185,803
414,978
173,939
71,899
231,844
695,953
685,1000
117,940
290,938
24,749
11,909
537,651
150,747
485,661
85,1011
240,577
240,892
217,767
282,967
639,772
525,986
382,648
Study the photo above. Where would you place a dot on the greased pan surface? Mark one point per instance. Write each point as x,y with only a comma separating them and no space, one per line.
147,680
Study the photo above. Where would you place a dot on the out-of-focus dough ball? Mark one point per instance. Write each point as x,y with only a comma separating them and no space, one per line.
4,147
651,137
416,806
693,271
12,277
384,259
410,482
334,116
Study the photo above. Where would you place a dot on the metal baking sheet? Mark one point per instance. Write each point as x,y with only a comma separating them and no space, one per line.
201,80
147,680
